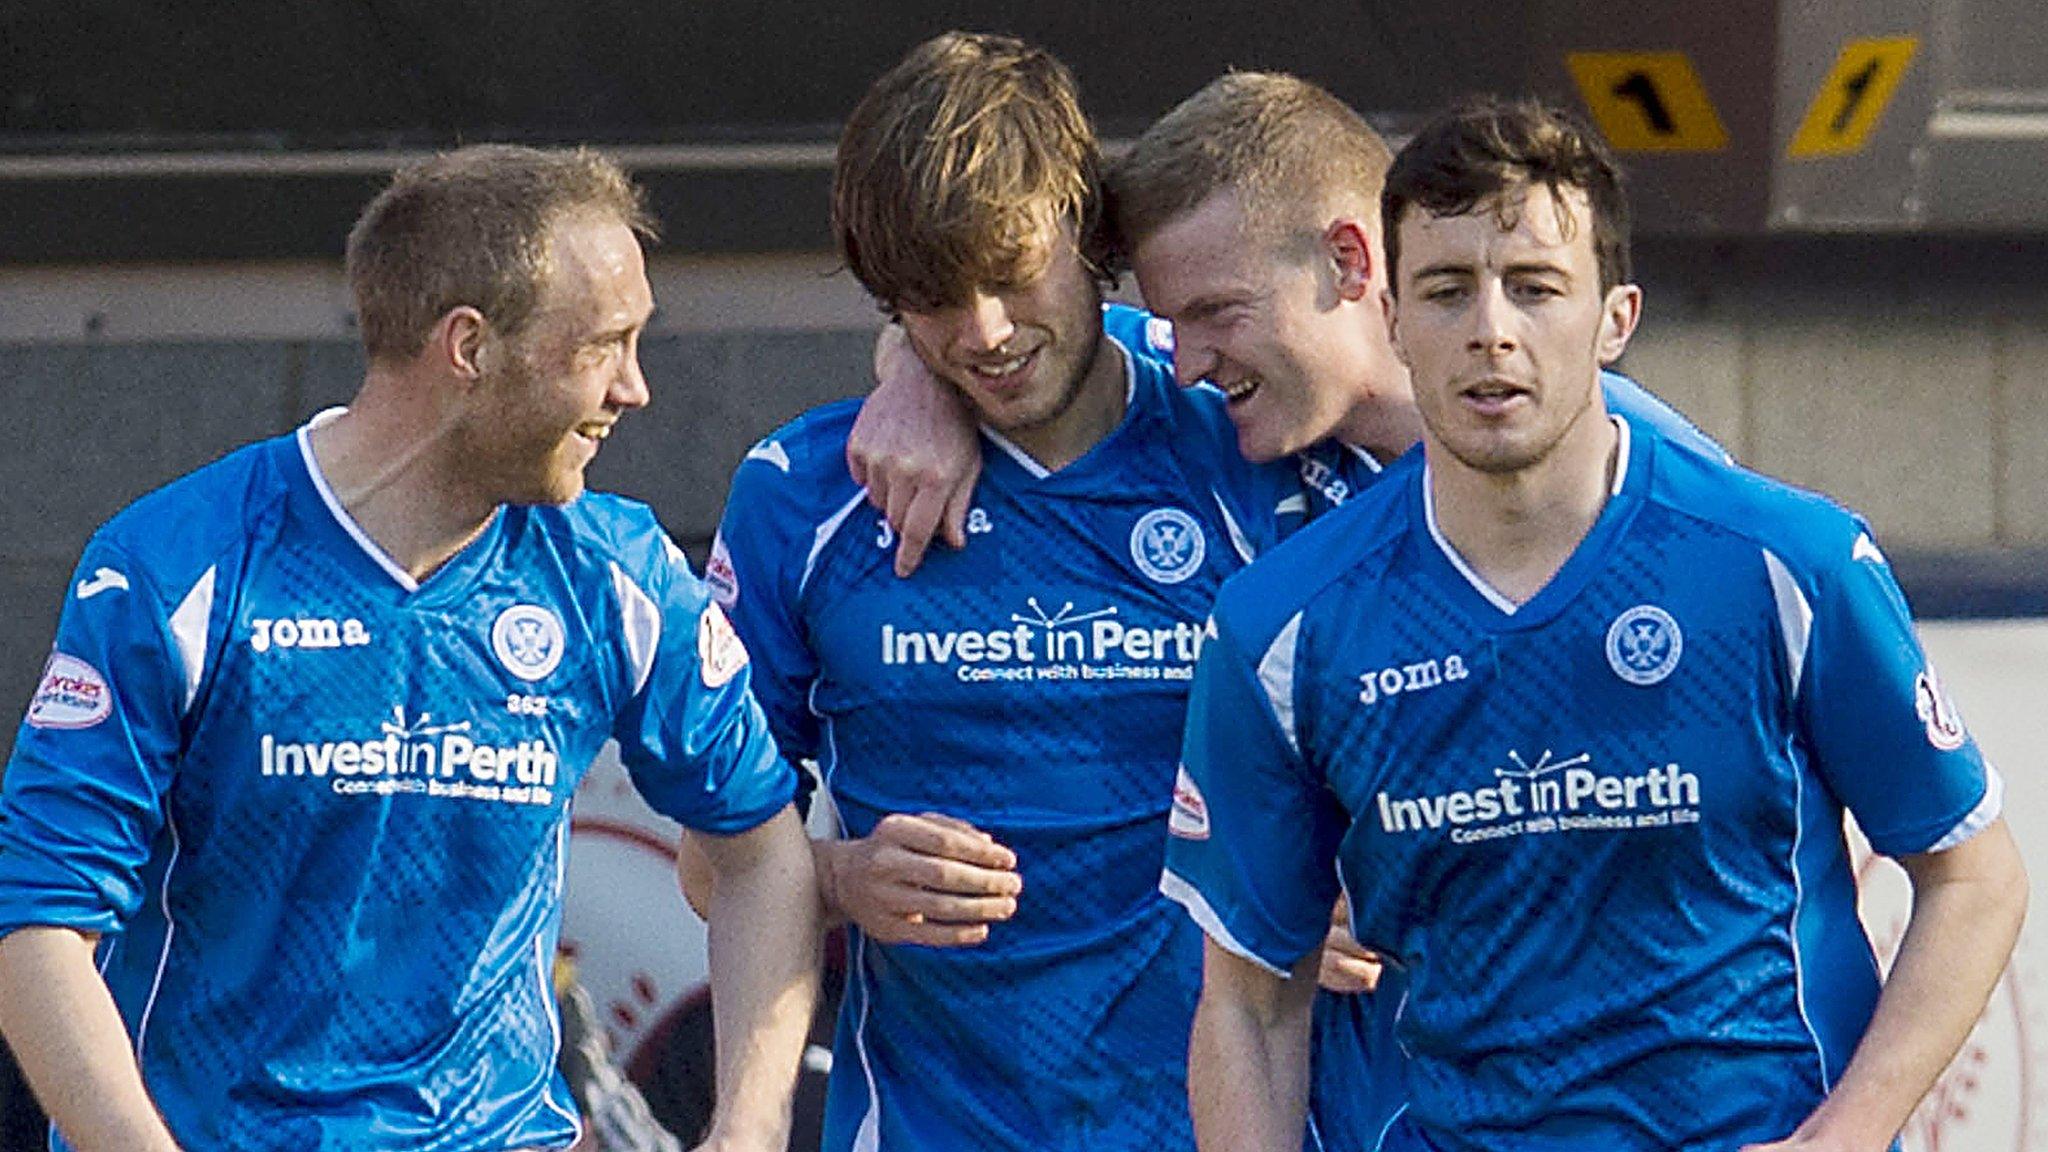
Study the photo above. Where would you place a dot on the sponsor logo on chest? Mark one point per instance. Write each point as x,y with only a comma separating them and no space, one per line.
415,755
1569,794
1063,644
307,632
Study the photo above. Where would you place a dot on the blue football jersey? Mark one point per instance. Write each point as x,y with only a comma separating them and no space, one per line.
1602,832
1034,684
317,811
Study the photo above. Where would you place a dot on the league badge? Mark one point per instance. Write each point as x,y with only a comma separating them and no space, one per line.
72,694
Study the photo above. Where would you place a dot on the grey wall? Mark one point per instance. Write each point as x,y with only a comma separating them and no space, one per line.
1902,377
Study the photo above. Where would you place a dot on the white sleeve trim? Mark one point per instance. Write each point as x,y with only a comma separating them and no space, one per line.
640,619
1795,617
1276,676
188,630
1980,817
1187,896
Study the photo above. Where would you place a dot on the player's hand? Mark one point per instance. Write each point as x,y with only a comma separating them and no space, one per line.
1348,966
923,879
914,447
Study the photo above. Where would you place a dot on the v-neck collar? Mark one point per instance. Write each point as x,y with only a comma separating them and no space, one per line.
1038,472
1624,495
448,580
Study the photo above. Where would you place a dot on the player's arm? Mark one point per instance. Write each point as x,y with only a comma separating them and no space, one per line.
69,1040
1252,840
914,447
764,976
1968,902
1890,744
1248,1058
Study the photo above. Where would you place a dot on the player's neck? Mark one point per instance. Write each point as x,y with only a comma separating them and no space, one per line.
1097,408
1517,529
1383,420
388,465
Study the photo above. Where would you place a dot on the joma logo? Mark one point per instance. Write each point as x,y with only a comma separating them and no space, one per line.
307,632
1414,677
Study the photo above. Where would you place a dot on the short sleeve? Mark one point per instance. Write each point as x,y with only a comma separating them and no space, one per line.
1253,834
83,800
756,571
692,736
1884,735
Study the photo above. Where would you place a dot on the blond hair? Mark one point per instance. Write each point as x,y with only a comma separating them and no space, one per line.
1290,152
474,227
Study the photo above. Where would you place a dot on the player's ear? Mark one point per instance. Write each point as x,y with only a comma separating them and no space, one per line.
1349,249
459,341
1620,312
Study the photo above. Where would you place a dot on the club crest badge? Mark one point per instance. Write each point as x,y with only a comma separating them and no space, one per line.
528,640
1643,645
1167,545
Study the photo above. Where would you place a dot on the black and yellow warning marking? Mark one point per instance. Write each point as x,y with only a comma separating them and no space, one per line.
1853,97
1648,101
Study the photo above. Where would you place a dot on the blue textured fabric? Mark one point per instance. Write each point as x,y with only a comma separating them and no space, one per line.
319,818
1602,832
1033,684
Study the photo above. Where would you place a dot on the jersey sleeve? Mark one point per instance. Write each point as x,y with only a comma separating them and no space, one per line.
83,800
1253,834
757,573
1884,735
692,736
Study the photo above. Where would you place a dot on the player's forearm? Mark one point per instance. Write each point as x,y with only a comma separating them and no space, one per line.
1965,920
1248,1061
764,978
70,1042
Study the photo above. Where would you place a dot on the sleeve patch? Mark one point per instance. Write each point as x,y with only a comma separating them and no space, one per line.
1190,817
719,573
1944,725
72,694
720,655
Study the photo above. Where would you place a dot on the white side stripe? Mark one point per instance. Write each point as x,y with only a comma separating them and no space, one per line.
1981,816
1237,538
1276,676
163,958
1187,896
188,631
642,624
824,534
1795,617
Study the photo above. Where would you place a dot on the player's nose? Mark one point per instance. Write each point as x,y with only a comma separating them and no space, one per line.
984,322
1490,317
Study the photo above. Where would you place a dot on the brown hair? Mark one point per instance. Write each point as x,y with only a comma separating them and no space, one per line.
957,164
473,227
1288,149
1484,154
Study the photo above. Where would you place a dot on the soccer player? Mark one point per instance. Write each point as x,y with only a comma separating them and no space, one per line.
282,851
998,733
1575,713
1251,215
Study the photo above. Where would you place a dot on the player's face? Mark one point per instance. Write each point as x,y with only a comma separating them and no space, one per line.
566,380
1273,329
1018,352
1504,329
